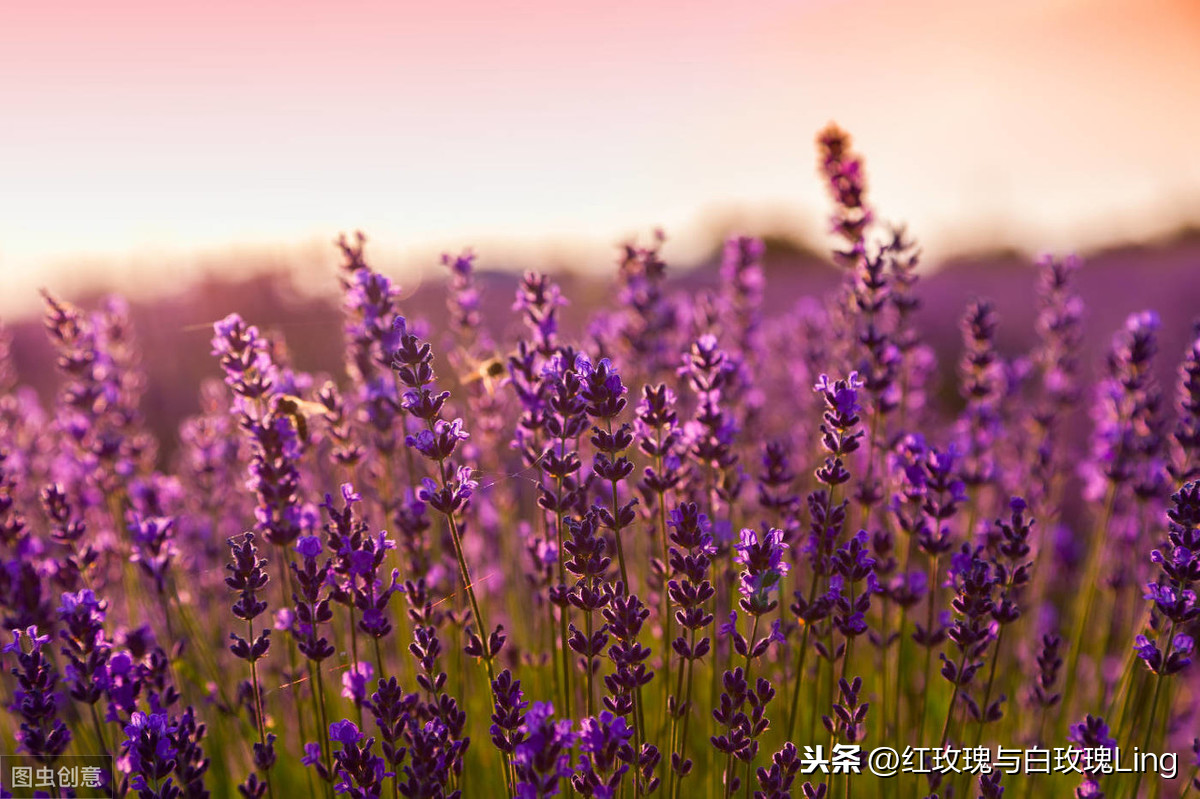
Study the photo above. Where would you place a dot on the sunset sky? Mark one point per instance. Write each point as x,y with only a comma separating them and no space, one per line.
144,134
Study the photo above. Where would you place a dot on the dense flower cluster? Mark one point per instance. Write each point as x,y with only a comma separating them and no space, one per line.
666,543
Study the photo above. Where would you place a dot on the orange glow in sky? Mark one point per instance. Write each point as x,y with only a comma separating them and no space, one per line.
137,129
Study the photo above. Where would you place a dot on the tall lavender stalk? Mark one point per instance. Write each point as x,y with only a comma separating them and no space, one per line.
591,593
563,491
247,577
763,570
42,733
450,492
840,438
1125,402
659,439
1010,543
690,590
310,601
1059,325
1174,601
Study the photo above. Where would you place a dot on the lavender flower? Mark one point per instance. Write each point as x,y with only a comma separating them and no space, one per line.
775,483
311,599
1056,357
1049,663
711,432
1012,575
604,395
68,528
149,747
463,299
840,437
153,546
776,782
360,772
604,742
439,707
625,615
1173,595
394,713
42,733
690,591
846,182
741,710
538,300
982,377
763,569
852,565
591,592
433,755
650,319
659,438
849,712
355,681
86,649
509,713
543,758
413,364
248,578
1091,734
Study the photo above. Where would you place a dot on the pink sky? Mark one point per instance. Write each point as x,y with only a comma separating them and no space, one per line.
138,133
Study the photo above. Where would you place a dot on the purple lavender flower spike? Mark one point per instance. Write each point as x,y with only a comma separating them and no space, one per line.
606,755
691,591
1173,592
85,646
355,681
42,734
763,569
846,179
151,752
1089,735
543,758
360,772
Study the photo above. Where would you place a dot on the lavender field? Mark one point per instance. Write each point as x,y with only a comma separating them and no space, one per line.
748,535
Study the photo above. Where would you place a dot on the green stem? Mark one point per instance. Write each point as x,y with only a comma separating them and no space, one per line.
354,661
1137,781
380,674
587,625
617,524
987,698
802,654
258,711
320,711
953,698
1090,580
1158,681
258,708
562,579
886,633
800,657
99,729
638,716
664,596
469,587
987,692
933,572
678,745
